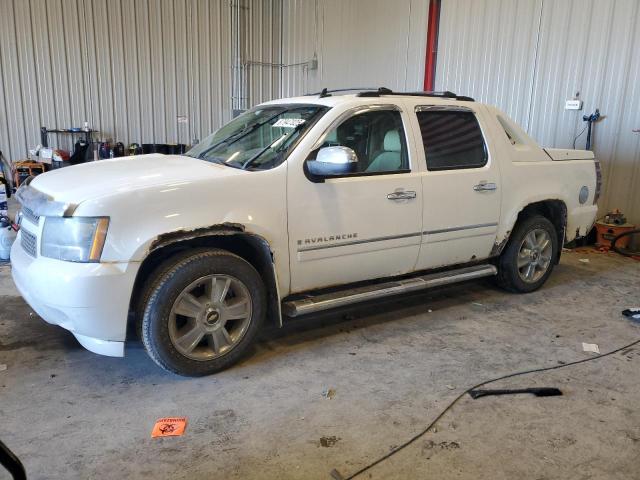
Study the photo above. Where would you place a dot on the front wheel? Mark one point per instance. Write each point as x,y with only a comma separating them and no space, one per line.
203,312
528,259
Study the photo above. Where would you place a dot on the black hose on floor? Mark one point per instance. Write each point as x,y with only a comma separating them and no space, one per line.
624,251
12,463
337,476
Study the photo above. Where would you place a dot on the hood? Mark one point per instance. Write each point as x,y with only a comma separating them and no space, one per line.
78,183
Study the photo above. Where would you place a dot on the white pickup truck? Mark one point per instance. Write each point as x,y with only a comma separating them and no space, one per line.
296,206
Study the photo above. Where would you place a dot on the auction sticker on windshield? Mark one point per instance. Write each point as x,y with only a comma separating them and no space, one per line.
289,122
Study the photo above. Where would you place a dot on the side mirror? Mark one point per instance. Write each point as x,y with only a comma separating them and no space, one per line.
333,162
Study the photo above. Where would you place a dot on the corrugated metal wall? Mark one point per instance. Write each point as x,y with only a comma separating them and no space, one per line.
256,51
358,43
528,56
146,71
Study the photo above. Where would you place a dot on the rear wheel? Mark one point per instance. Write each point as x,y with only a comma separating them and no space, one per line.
528,259
202,312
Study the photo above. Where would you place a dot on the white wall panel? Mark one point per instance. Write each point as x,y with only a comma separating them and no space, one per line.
301,38
263,50
359,43
13,120
486,49
528,56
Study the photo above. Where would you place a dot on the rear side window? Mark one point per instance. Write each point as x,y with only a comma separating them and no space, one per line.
452,140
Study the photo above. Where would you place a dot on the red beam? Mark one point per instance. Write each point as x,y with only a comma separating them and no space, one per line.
433,25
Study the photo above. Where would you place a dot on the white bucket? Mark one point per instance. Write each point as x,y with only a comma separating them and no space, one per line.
7,237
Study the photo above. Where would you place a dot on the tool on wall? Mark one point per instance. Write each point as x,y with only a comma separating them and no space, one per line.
590,119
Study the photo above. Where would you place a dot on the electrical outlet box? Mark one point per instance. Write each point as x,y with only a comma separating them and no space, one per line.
573,105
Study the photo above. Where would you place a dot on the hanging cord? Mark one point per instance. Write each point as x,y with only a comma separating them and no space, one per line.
336,475
578,136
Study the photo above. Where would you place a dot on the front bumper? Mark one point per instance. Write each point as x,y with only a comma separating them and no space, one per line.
91,300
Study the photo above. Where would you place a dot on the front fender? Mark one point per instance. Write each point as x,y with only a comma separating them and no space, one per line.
144,219
233,238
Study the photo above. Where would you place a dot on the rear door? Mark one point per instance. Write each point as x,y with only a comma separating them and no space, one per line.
461,186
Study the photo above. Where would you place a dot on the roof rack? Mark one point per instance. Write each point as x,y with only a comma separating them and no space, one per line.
327,93
386,91
379,91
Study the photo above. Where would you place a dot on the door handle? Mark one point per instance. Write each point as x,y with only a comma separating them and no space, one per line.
402,195
485,186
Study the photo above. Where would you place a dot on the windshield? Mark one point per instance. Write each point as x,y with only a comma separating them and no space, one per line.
258,139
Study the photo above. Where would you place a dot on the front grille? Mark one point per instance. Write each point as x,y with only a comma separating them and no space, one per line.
29,215
29,242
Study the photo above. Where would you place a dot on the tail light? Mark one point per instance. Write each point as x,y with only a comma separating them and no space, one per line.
598,182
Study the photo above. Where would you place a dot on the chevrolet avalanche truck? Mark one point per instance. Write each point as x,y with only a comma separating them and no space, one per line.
296,206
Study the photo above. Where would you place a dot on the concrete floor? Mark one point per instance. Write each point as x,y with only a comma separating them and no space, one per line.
394,366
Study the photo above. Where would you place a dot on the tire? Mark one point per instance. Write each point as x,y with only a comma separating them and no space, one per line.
202,312
518,251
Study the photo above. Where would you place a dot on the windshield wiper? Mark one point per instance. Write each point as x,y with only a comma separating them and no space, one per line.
233,138
237,136
250,162
255,157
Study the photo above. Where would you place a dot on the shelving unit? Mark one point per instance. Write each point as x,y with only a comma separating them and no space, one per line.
44,134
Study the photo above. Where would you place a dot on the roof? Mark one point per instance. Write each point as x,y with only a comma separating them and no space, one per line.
335,97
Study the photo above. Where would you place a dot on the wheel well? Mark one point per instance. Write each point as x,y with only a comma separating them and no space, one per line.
252,248
555,211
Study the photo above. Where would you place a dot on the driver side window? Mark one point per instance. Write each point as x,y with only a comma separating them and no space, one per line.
377,138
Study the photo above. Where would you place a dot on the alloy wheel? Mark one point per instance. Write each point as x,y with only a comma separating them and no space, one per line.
210,316
534,255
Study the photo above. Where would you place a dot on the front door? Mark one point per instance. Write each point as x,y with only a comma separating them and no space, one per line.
365,225
461,187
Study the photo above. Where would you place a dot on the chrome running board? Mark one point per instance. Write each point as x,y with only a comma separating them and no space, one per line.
317,303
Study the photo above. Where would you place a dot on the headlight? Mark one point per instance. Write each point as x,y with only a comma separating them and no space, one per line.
74,239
